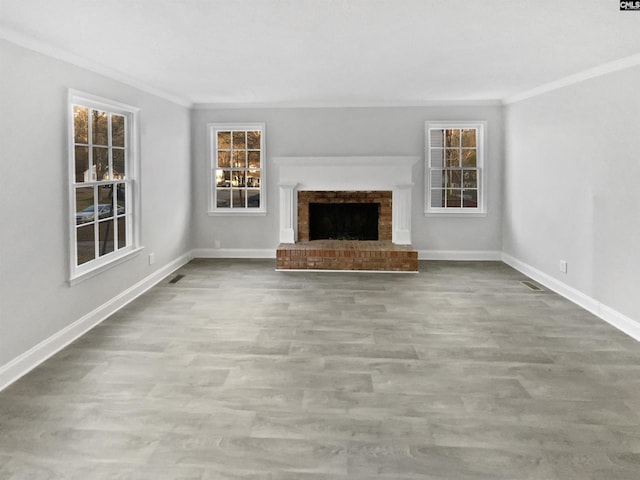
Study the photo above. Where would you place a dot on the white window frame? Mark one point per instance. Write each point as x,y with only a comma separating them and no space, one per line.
481,209
213,209
131,178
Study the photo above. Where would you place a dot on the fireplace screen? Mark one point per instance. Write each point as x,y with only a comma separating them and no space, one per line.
343,221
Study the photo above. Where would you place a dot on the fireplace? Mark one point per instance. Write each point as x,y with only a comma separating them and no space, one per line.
346,213
342,203
343,221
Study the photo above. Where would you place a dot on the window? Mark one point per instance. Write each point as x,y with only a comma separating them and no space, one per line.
237,166
103,171
454,168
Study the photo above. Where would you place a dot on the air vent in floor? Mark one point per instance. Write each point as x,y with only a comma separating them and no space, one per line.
176,279
532,286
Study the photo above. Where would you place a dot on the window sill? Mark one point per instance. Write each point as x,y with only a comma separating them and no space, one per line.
237,213
455,214
81,277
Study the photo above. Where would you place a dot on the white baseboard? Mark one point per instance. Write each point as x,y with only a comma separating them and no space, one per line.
606,313
33,357
460,255
233,253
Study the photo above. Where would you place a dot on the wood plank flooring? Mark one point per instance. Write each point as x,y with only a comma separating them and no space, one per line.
236,371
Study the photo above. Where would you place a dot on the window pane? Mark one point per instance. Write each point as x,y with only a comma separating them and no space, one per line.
118,163
253,178
84,205
99,125
470,178
121,198
238,179
469,157
238,197
82,164
437,198
454,178
253,198
223,178
453,157
224,139
436,157
85,243
80,124
240,158
470,198
254,159
100,163
117,130
223,198
105,237
436,137
224,159
253,139
453,197
239,140
105,201
453,137
469,137
438,178
122,232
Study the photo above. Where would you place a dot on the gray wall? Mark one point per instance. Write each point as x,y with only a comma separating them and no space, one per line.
342,132
572,187
35,299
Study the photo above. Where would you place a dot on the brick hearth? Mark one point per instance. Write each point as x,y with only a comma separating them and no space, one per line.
347,255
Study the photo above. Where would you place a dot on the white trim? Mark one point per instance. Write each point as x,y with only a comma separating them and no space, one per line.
393,161
606,313
213,209
203,104
481,127
130,113
81,277
59,54
604,69
460,255
24,363
233,253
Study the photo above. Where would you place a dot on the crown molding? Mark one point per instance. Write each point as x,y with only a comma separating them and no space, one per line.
82,62
203,105
600,70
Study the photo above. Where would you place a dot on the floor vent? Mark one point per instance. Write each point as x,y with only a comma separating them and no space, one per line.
176,279
532,286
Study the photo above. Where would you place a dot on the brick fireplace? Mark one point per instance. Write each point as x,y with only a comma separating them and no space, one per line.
382,198
383,181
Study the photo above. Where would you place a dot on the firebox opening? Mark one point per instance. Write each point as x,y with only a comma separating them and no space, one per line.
343,221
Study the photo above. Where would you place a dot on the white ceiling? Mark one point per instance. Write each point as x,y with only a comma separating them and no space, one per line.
329,52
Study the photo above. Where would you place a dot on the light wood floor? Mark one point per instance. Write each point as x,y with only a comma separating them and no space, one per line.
240,372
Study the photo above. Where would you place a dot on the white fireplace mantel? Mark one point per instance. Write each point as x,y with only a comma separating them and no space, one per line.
347,173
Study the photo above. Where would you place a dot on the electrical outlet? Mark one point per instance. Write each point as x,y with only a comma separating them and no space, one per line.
216,243
563,266
152,258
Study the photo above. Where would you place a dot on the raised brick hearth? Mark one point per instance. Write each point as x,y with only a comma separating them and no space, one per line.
347,255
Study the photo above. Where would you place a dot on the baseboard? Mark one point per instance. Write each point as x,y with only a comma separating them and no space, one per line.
460,255
233,253
606,313
33,357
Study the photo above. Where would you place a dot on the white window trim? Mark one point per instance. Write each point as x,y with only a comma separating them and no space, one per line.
79,273
481,209
213,210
